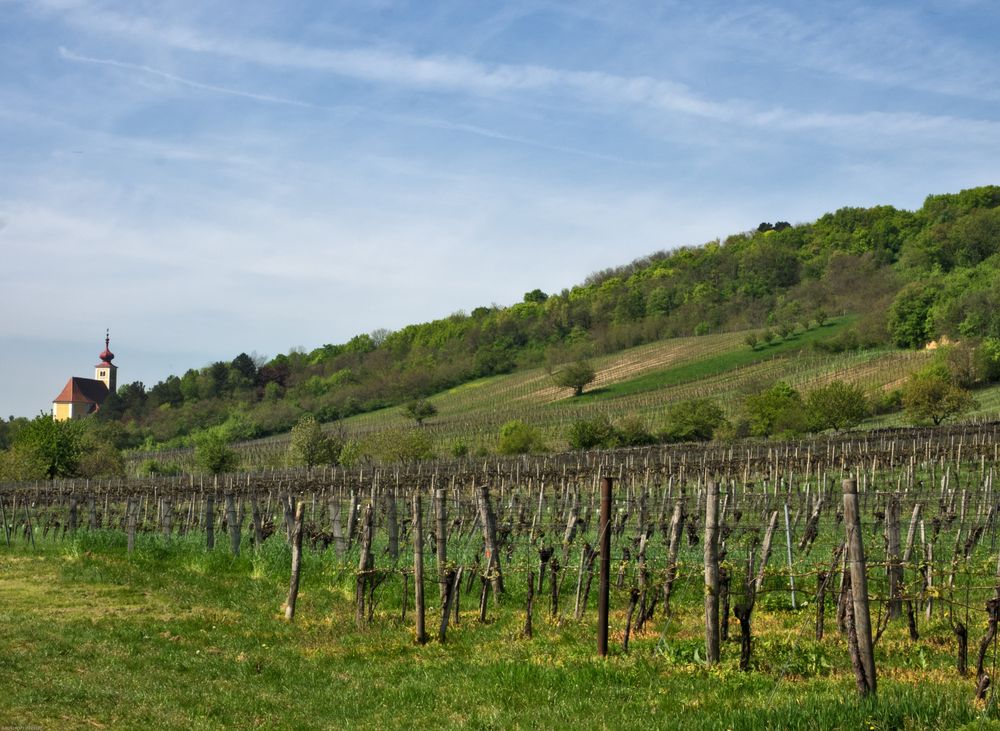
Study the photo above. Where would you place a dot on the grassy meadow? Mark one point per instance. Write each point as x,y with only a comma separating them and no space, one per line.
173,636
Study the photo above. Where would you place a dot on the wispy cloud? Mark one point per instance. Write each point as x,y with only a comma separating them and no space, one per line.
891,47
456,74
80,58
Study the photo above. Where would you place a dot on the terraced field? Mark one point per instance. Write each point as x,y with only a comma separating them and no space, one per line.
643,381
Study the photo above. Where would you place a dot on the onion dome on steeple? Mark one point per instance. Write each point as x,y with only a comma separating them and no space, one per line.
107,356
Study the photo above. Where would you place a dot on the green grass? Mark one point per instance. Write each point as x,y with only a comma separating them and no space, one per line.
174,637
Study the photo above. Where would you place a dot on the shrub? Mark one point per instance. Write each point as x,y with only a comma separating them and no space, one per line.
837,405
633,432
887,402
153,468
213,453
400,445
693,421
776,411
516,437
592,433
310,446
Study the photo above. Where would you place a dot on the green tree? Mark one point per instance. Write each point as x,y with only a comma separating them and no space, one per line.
9,429
693,421
594,433
101,460
837,405
576,375
214,454
419,410
930,396
535,295
244,365
778,410
516,437
46,448
310,446
399,445
909,316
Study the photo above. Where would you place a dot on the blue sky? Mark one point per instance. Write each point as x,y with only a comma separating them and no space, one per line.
207,178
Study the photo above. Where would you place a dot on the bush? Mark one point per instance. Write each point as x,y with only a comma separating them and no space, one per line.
887,402
593,433
101,460
400,445
776,411
153,468
693,421
633,432
310,446
351,453
516,437
837,406
213,453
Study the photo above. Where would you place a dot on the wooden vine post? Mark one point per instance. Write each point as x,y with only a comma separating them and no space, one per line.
293,587
493,572
441,541
418,569
604,541
366,565
859,617
712,573
131,515
210,521
232,522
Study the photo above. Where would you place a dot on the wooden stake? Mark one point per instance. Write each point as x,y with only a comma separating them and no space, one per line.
712,573
418,568
859,616
293,586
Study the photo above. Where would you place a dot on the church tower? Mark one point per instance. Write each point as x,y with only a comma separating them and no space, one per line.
83,396
105,371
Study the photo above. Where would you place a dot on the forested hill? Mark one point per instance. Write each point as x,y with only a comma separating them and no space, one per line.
911,276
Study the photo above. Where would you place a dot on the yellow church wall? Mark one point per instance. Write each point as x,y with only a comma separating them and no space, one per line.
62,412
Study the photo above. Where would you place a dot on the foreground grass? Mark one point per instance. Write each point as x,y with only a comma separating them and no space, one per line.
174,637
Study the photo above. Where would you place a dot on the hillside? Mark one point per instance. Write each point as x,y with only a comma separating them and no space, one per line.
640,382
909,277
672,326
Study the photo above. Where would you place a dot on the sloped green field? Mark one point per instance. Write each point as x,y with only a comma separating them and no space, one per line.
643,381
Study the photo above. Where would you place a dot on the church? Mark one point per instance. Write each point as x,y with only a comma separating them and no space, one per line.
82,396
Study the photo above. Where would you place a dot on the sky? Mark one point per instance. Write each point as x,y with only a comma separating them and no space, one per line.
208,178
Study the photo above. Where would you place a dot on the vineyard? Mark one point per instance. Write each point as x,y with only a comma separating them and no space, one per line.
641,381
778,560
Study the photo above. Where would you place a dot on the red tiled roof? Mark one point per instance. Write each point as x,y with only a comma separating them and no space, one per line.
85,390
